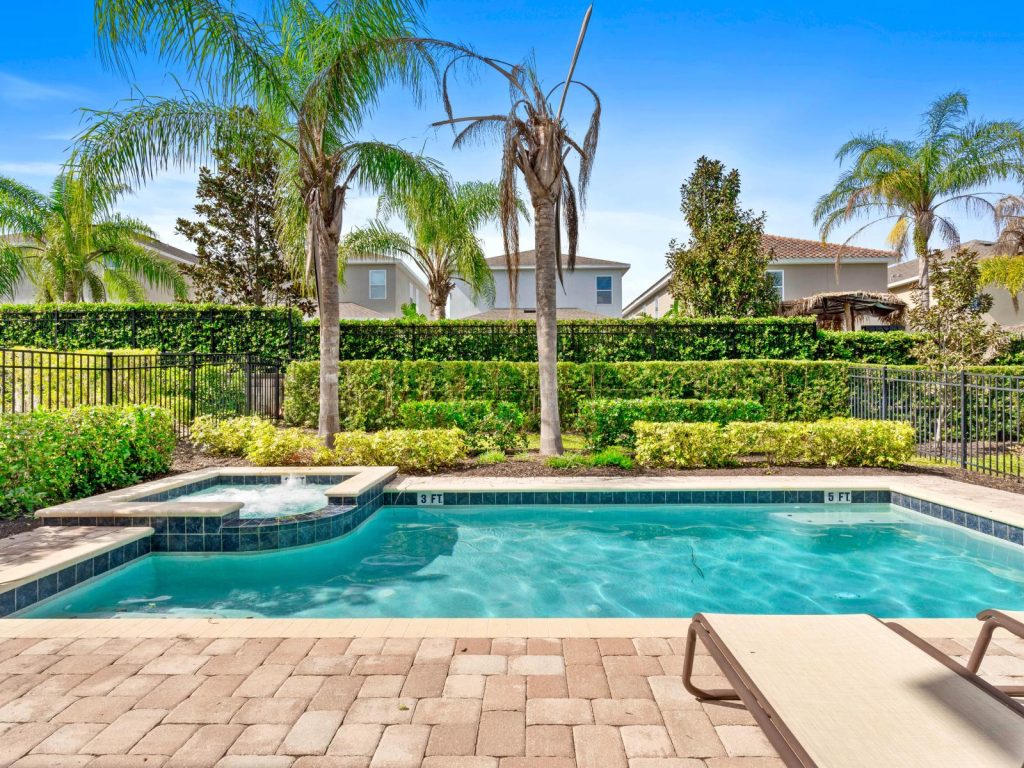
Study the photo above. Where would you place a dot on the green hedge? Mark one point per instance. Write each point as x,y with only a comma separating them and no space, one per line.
280,332
48,457
609,421
840,442
371,391
889,348
488,425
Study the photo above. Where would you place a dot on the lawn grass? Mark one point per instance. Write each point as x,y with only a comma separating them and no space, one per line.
570,441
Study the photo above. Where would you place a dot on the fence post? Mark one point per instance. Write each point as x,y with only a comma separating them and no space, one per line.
963,419
885,392
110,378
192,388
248,383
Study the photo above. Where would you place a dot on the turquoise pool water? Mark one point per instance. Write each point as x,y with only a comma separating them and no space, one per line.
577,561
292,496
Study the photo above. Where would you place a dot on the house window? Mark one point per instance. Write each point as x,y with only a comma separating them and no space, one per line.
604,289
378,284
777,281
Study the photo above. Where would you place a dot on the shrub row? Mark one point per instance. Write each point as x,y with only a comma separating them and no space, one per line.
281,332
265,445
609,421
51,457
371,391
488,425
839,442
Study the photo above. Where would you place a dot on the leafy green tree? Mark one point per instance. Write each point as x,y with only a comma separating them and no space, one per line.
73,245
911,183
721,271
951,316
535,144
307,77
440,221
239,260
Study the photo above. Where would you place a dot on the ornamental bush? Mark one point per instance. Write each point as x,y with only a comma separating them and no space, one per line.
49,457
488,425
840,442
371,391
227,437
411,450
609,421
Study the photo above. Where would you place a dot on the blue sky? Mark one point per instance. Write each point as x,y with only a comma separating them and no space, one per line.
771,89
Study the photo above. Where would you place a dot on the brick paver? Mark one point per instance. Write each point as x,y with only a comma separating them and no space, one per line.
377,703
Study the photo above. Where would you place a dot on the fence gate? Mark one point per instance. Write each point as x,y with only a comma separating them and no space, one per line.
187,384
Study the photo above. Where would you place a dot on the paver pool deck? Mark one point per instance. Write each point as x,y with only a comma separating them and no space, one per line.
266,693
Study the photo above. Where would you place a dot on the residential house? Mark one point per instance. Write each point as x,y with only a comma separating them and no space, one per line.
25,291
377,289
592,290
799,269
903,283
373,289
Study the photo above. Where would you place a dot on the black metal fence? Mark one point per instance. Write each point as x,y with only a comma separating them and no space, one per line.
187,384
971,420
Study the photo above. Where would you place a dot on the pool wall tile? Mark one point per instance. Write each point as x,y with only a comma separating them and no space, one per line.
47,586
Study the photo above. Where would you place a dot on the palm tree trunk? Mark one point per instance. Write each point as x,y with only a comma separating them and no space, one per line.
325,256
547,326
437,308
923,227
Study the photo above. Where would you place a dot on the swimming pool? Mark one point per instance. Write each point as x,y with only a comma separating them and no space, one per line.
584,561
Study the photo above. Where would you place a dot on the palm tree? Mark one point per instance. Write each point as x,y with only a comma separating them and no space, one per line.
305,77
441,221
535,144
911,182
72,244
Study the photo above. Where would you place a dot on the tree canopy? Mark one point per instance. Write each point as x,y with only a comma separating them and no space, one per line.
722,268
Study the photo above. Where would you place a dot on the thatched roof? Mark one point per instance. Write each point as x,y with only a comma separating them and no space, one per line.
835,302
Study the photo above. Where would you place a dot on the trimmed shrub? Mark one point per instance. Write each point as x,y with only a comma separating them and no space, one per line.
371,391
411,450
609,421
840,442
284,448
51,457
227,437
488,425
889,348
683,444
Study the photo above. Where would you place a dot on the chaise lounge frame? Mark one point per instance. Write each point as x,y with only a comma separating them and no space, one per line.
785,742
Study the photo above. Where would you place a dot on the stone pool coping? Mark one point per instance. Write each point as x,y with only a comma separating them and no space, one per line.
131,502
493,628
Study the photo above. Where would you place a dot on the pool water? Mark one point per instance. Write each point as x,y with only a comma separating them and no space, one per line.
606,561
292,496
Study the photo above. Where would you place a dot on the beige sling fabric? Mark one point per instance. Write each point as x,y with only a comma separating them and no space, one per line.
857,695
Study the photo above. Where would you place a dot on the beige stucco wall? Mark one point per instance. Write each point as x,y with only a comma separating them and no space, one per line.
1002,311
800,280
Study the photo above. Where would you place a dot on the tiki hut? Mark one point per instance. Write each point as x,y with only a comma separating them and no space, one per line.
849,310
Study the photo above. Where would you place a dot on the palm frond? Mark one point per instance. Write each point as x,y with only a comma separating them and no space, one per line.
12,268
133,145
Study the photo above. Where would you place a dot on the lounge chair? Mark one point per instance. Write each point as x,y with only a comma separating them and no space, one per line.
991,621
853,692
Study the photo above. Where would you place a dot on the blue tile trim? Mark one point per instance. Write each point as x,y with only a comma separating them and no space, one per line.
22,597
1011,533
537,498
